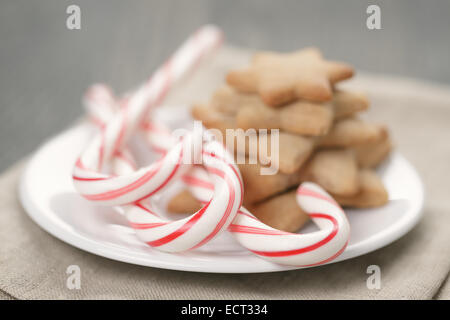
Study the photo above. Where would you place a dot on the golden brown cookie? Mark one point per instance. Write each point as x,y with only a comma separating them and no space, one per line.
228,101
299,117
350,132
259,187
293,151
334,170
347,103
372,192
306,118
281,212
211,118
372,154
257,116
252,113
183,202
283,78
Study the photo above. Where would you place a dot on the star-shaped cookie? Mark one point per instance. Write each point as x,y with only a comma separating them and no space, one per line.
283,78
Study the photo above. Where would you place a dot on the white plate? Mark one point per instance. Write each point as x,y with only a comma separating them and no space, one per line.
48,196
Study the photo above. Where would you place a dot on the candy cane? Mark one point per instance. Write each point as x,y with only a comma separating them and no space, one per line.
196,230
219,187
143,217
88,177
275,245
300,250
278,246
130,189
100,103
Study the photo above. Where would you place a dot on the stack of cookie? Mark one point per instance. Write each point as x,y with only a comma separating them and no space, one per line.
321,137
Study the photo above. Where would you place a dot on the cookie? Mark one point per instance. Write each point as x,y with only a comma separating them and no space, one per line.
372,154
211,118
307,118
228,101
259,187
350,132
293,151
371,194
282,78
299,117
334,170
281,212
348,103
183,202
252,113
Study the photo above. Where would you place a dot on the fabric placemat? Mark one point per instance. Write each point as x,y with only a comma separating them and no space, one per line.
33,263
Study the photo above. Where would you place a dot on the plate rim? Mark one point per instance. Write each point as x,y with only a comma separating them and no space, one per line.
375,242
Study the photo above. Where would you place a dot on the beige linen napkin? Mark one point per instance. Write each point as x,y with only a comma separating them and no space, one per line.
33,263
444,291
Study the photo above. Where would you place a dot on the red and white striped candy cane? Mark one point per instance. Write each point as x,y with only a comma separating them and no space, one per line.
278,246
301,250
100,103
88,177
122,125
130,189
220,189
149,226
198,229
143,217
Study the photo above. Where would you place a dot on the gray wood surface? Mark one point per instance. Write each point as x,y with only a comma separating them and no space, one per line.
45,68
